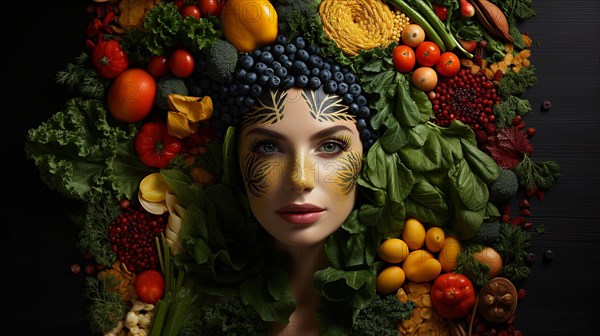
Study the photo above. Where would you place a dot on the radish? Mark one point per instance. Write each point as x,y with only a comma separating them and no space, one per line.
466,8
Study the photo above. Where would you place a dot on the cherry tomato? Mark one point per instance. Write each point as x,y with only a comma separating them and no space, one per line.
179,4
427,53
158,66
149,286
181,63
208,7
403,58
191,10
448,65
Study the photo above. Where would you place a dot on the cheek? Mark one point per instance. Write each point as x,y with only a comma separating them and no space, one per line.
341,175
259,174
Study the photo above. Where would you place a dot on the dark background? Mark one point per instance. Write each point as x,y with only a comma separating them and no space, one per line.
43,297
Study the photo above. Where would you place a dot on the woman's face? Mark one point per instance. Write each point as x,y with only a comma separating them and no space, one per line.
300,154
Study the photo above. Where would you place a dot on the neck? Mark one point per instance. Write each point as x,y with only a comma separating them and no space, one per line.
304,261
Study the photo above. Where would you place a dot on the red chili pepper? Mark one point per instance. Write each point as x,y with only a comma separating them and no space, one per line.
524,204
525,212
155,147
441,12
517,220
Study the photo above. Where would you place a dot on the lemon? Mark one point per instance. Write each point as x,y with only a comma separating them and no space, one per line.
393,250
413,233
434,239
390,279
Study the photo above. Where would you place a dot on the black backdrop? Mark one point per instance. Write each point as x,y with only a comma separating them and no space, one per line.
43,297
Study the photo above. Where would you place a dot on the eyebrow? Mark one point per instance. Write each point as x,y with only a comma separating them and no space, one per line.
321,134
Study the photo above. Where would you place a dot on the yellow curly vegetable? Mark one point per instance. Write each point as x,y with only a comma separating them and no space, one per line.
361,24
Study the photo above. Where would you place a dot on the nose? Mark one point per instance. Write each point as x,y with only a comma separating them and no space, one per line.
302,174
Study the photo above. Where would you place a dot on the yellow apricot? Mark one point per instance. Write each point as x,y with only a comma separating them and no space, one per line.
421,266
390,279
434,239
393,250
413,233
448,255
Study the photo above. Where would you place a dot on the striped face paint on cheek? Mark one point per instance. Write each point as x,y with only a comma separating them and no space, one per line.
256,173
348,170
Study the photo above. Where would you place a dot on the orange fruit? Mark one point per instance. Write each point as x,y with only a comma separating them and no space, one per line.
131,95
390,279
393,250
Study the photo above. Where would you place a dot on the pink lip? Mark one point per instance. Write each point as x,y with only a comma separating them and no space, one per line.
300,214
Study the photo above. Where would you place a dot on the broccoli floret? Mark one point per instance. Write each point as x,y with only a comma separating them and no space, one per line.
516,83
380,317
488,233
504,187
293,15
167,85
508,109
221,60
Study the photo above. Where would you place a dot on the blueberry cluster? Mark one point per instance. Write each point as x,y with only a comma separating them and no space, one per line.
284,65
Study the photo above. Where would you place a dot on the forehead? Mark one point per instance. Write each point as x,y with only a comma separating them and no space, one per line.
294,105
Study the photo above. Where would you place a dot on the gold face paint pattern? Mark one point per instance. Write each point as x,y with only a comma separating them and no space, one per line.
350,165
326,107
267,110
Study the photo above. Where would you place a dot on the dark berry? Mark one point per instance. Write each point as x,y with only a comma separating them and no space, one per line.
354,89
281,39
548,255
281,72
282,59
331,86
302,81
244,89
325,75
247,62
315,61
256,90
314,83
365,134
361,123
250,78
347,98
349,78
290,49
288,63
266,57
342,88
364,111
361,100
299,42
315,72
313,49
277,50
240,74
270,72
288,82
249,101
302,55
338,76
353,108
263,79
530,258
274,82
299,67
260,67
239,100
546,105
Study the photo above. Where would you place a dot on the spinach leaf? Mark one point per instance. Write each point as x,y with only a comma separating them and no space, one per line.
269,294
482,164
471,190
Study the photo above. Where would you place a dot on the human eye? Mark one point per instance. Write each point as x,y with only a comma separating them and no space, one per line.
264,147
335,145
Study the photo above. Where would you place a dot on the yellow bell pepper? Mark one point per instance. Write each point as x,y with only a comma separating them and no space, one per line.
249,24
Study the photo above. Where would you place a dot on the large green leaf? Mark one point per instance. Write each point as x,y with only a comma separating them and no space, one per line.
471,190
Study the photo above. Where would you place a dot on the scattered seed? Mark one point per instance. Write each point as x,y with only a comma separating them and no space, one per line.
530,258
521,293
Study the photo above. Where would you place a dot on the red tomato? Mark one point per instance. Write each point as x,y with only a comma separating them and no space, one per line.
131,95
181,63
158,66
427,53
149,286
448,65
208,7
191,10
403,58
179,4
